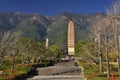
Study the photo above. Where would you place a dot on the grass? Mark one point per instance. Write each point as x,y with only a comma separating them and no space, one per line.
18,70
97,78
91,72
23,68
90,69
3,67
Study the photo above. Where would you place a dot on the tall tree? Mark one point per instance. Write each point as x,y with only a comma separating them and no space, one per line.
114,13
97,32
10,40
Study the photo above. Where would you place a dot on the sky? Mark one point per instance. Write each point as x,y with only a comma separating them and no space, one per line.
53,7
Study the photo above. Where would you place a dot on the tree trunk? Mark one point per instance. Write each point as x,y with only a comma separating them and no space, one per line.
13,62
100,54
117,44
107,54
101,66
118,55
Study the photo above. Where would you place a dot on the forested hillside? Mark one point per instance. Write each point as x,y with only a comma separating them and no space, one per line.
40,27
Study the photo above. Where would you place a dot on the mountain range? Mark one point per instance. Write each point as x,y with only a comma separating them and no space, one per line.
40,27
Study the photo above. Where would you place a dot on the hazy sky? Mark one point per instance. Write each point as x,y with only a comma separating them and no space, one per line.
52,7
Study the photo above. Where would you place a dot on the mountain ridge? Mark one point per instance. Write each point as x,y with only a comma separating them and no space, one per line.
41,27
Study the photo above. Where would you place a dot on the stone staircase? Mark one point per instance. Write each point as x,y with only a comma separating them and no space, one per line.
57,70
64,70
66,67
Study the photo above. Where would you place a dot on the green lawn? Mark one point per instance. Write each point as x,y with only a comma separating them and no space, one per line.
91,72
97,78
19,70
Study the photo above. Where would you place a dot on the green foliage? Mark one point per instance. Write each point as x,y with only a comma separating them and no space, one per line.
31,49
86,51
34,51
56,52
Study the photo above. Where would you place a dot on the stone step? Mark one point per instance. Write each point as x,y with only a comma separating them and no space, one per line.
66,63
59,70
57,77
